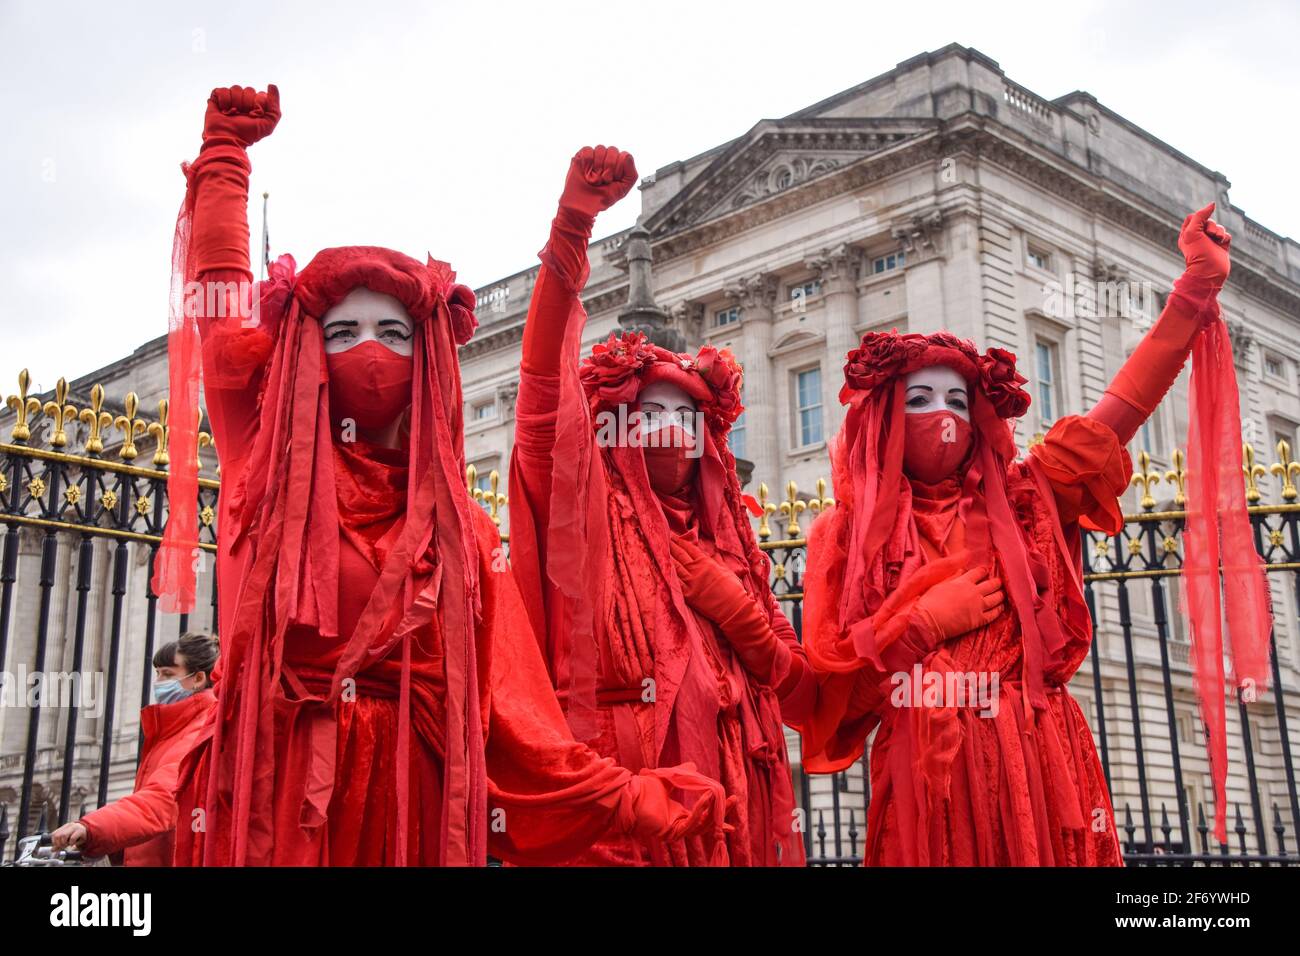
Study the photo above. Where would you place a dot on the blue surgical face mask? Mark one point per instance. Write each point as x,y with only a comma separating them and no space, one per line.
170,691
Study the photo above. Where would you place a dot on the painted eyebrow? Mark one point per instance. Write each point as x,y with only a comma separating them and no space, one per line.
351,322
399,322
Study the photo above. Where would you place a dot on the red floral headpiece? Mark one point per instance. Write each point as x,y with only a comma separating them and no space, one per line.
422,289
884,356
619,368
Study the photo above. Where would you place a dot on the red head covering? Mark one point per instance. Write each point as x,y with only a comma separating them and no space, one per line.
285,505
871,562
581,523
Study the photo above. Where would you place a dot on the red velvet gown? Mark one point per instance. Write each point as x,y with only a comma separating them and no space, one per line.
948,785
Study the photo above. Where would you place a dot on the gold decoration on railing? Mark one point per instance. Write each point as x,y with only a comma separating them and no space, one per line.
60,413
1146,477
129,426
791,509
97,419
1178,478
23,406
1285,468
766,510
1252,471
161,433
822,502
492,497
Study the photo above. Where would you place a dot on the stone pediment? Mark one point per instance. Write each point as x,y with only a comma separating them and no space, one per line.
776,156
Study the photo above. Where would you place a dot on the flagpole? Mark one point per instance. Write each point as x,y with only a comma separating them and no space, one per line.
266,237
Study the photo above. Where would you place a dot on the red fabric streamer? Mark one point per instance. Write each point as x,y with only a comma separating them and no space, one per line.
1223,577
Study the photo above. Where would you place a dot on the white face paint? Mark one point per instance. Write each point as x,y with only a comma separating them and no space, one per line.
937,388
364,315
664,404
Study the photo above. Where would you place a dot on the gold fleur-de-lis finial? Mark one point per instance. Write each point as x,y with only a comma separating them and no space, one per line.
1146,477
822,502
791,509
1285,469
97,419
1178,477
1253,472
492,496
205,441
60,413
765,510
23,406
161,433
129,426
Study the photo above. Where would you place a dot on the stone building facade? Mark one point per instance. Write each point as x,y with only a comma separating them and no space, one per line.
940,194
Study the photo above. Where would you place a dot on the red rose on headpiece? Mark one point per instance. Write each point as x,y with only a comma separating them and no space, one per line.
723,375
880,357
610,373
1000,381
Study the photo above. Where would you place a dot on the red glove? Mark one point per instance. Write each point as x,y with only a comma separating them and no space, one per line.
1205,245
236,118
240,116
646,810
597,179
959,605
718,595
1154,366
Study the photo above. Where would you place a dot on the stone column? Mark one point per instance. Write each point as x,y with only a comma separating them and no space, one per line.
756,295
837,270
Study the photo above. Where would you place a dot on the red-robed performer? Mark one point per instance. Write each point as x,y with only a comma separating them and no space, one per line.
384,701
948,563
636,557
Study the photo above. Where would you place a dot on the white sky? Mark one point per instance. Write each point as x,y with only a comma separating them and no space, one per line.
447,127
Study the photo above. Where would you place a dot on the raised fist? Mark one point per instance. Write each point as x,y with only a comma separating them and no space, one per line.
1205,245
241,115
597,179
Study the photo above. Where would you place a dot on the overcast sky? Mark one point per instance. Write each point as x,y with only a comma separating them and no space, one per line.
447,127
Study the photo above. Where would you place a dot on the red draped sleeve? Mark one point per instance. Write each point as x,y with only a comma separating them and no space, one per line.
1088,470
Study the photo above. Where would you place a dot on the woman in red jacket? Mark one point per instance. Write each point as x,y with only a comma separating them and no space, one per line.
383,699
945,605
142,826
636,557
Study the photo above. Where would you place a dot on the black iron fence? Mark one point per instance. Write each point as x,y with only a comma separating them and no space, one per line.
81,529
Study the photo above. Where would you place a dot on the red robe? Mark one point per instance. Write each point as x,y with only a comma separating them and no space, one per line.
950,786
548,796
705,707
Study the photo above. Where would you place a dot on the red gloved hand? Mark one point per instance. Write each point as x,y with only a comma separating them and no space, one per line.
240,116
959,605
597,179
1205,245
717,594
646,809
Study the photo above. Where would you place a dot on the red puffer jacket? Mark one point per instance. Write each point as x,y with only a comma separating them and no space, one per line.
142,824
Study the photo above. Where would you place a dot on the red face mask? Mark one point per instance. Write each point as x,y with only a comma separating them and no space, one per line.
369,384
672,463
934,445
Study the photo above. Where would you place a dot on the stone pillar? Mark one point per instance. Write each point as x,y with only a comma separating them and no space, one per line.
641,313
837,270
920,236
756,295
